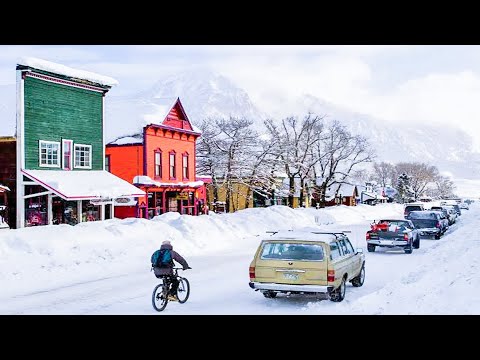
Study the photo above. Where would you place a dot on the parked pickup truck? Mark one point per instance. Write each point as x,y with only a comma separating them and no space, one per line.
393,233
428,223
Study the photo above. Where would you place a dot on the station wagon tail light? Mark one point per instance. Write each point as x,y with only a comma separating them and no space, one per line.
405,237
251,271
331,275
367,236
438,224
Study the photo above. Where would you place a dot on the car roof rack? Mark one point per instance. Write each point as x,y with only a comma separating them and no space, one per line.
335,233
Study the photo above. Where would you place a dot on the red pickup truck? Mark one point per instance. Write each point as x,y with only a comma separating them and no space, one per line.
393,233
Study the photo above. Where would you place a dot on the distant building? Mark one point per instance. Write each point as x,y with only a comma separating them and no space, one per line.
347,195
162,162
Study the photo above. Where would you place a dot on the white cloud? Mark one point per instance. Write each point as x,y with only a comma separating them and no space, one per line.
50,53
395,83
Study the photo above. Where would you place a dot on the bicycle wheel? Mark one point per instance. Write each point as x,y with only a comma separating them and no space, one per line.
159,297
183,290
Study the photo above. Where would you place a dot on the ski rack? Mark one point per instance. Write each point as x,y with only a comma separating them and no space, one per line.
335,233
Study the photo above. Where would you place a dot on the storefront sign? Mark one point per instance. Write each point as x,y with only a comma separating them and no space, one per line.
100,201
125,201
182,196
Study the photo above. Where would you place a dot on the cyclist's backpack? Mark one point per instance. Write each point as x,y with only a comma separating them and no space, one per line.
162,258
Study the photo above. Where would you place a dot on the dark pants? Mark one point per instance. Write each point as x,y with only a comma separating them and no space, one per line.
174,286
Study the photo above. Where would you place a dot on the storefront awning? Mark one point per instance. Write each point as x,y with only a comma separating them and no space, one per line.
142,180
83,184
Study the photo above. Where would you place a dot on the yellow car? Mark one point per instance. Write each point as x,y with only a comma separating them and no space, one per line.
306,262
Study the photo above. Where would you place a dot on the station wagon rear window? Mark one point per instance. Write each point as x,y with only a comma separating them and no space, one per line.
292,251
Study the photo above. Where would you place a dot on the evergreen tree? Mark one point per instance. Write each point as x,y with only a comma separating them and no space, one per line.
404,188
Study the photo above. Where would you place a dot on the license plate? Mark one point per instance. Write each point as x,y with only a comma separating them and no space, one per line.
290,276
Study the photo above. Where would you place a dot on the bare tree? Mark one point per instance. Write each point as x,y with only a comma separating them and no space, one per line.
420,174
360,176
237,138
208,153
443,188
338,152
296,139
383,173
260,166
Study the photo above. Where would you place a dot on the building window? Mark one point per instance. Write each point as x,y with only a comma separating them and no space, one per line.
107,163
158,164
67,146
83,156
172,165
185,166
49,153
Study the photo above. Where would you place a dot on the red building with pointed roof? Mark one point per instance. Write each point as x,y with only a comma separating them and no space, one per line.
161,161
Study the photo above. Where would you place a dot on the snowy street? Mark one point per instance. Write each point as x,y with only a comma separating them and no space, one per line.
396,283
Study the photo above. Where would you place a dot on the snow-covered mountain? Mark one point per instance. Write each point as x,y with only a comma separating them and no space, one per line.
203,93
447,147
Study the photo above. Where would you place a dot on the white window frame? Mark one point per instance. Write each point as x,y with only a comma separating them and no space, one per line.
72,151
75,156
40,143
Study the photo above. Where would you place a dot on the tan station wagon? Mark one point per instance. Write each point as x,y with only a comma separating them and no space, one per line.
306,262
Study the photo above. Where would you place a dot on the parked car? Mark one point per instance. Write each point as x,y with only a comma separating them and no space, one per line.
463,206
444,219
428,223
412,207
457,209
450,214
393,233
306,262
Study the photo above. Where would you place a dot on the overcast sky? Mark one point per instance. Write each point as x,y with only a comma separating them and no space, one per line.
438,84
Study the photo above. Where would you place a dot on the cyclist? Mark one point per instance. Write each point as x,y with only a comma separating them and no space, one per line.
162,271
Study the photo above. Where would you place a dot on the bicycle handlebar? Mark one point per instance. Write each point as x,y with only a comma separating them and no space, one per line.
181,268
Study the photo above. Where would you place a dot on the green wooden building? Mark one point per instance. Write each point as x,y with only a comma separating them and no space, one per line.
61,146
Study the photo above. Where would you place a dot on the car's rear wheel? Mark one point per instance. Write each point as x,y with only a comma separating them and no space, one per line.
408,249
270,294
416,244
338,294
360,278
371,248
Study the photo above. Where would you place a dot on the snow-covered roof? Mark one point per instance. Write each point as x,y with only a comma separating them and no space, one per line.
65,70
83,184
127,140
148,181
347,189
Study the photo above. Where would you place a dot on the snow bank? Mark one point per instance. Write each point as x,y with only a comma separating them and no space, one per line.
113,245
446,282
